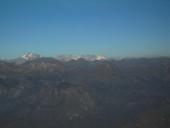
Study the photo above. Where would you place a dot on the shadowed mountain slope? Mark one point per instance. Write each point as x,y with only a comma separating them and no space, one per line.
46,93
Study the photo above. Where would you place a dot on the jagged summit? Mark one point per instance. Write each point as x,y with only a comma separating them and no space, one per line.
33,56
26,57
87,57
30,56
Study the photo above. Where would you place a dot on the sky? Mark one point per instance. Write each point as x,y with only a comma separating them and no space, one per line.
114,28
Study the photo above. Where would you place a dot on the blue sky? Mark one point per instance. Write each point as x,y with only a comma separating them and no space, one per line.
117,28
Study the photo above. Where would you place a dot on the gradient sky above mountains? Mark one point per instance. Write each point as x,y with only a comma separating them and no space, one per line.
118,28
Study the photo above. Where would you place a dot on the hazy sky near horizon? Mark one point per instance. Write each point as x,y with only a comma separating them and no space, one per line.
118,28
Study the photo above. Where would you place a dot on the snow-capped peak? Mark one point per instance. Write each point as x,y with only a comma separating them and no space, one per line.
68,57
101,58
76,57
30,56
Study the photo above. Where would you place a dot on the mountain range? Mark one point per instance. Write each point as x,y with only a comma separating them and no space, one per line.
48,93
32,56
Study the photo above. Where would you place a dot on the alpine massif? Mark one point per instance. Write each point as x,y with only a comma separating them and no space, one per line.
44,92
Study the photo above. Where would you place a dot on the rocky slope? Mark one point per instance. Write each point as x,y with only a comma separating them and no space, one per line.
46,93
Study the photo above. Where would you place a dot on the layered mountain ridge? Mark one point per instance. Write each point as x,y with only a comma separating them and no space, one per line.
48,93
